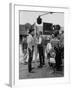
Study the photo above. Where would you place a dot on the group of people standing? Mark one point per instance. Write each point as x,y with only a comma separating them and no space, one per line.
56,52
54,49
32,41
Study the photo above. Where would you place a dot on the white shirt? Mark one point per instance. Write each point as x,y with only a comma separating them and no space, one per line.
49,47
40,40
30,41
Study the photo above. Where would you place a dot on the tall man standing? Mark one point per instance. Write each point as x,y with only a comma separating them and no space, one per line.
41,50
30,42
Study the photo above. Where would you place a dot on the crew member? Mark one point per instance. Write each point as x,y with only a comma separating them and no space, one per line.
30,42
41,51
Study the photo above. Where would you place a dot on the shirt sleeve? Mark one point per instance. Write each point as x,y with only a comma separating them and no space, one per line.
28,39
40,40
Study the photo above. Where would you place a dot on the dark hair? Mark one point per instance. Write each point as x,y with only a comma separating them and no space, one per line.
58,27
56,33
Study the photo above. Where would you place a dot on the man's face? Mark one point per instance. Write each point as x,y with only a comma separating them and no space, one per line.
52,35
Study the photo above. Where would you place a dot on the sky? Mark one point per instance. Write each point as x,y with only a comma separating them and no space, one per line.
31,16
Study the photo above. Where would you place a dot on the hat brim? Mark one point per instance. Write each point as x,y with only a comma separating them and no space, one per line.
31,30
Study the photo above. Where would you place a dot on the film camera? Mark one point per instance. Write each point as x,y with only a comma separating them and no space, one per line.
39,20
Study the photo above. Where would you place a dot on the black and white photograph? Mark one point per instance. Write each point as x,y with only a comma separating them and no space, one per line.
41,44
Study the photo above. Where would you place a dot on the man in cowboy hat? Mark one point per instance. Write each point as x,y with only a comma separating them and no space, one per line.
30,42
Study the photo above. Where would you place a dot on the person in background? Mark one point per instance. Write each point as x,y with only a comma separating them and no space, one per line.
52,60
24,48
48,48
30,42
41,50
61,46
55,43
21,54
50,55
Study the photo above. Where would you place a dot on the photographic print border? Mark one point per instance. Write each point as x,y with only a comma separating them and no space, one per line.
14,37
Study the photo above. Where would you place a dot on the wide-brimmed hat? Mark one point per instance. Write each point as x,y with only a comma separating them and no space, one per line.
31,30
